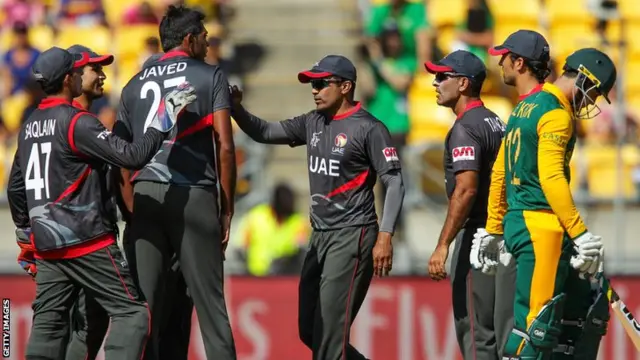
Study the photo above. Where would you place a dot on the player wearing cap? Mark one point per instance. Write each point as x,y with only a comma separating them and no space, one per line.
176,207
65,214
482,304
556,315
348,149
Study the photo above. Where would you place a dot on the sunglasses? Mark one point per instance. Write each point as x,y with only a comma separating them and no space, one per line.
440,77
320,84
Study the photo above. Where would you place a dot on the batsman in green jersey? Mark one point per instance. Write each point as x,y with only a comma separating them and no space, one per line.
532,216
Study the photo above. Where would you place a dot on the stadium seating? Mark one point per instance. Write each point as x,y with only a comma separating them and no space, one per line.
446,13
602,171
129,40
12,109
429,122
524,13
499,105
98,38
115,9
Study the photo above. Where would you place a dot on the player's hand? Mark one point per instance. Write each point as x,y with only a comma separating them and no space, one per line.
505,256
382,255
437,262
172,105
225,224
235,95
485,252
588,249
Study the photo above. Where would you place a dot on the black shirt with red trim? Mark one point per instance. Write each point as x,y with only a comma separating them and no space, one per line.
472,144
188,157
59,184
346,154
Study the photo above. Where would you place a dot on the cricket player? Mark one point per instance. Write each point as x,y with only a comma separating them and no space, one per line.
347,149
60,199
482,304
556,314
177,208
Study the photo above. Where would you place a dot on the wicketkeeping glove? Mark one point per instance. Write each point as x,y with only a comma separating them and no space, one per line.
26,258
589,254
172,105
485,252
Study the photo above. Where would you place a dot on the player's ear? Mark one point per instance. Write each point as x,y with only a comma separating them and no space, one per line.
346,87
463,84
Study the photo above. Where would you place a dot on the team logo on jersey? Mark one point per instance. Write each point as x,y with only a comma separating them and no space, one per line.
339,143
315,139
461,153
104,134
390,154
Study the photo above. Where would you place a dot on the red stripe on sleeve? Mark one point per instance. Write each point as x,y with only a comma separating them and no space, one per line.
72,127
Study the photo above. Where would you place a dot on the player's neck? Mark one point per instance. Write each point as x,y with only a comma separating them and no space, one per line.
525,85
345,107
64,95
462,104
84,101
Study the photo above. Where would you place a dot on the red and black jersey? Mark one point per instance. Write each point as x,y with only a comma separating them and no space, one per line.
58,184
346,154
472,144
188,157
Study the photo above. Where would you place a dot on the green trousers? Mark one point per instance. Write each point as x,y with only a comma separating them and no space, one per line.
542,250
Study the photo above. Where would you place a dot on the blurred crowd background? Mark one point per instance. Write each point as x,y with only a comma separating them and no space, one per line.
261,45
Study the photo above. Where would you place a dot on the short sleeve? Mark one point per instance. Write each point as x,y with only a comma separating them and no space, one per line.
464,149
380,149
296,129
221,99
122,127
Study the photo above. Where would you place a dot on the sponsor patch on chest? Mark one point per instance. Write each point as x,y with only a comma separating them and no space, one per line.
462,153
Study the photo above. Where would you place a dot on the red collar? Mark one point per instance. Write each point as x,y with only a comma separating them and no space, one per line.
52,102
172,54
349,113
471,105
536,89
77,104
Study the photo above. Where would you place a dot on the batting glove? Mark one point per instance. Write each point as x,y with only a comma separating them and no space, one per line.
589,252
172,105
485,252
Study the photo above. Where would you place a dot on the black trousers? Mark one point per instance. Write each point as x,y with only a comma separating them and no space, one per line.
336,275
104,276
184,221
89,324
482,304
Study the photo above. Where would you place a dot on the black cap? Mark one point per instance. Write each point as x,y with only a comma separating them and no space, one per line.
460,62
330,65
53,64
525,43
94,58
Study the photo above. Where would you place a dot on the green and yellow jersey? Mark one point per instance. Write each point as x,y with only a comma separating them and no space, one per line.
532,168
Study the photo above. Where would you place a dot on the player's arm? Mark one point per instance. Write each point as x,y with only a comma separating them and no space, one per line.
124,194
497,204
88,137
466,168
554,132
291,132
386,163
17,195
224,145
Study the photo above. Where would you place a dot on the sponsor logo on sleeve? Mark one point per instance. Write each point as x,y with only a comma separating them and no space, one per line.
390,154
104,134
463,153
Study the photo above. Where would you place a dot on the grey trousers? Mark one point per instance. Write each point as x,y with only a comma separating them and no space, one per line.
335,277
482,304
104,276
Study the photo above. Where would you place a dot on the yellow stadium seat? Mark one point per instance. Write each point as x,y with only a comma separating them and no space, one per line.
499,105
6,39
422,82
568,12
602,173
629,9
429,122
129,40
97,38
109,71
632,77
446,12
41,37
446,35
127,68
12,109
115,9
509,11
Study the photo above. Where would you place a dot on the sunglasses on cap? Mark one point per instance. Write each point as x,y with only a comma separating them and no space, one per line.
319,84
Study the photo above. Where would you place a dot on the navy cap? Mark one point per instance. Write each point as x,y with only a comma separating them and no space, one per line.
460,62
525,43
94,58
53,64
330,65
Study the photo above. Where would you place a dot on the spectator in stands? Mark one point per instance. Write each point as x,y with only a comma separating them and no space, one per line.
230,68
475,34
151,47
84,13
17,62
142,14
411,20
274,235
22,11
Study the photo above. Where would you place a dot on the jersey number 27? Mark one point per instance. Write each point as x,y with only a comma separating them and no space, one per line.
156,93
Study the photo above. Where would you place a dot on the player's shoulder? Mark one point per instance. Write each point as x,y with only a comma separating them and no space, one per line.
545,102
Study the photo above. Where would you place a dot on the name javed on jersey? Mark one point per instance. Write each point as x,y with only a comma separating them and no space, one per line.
461,153
41,128
160,70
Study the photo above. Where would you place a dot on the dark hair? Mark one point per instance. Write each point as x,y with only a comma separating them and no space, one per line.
52,88
475,87
178,22
539,69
